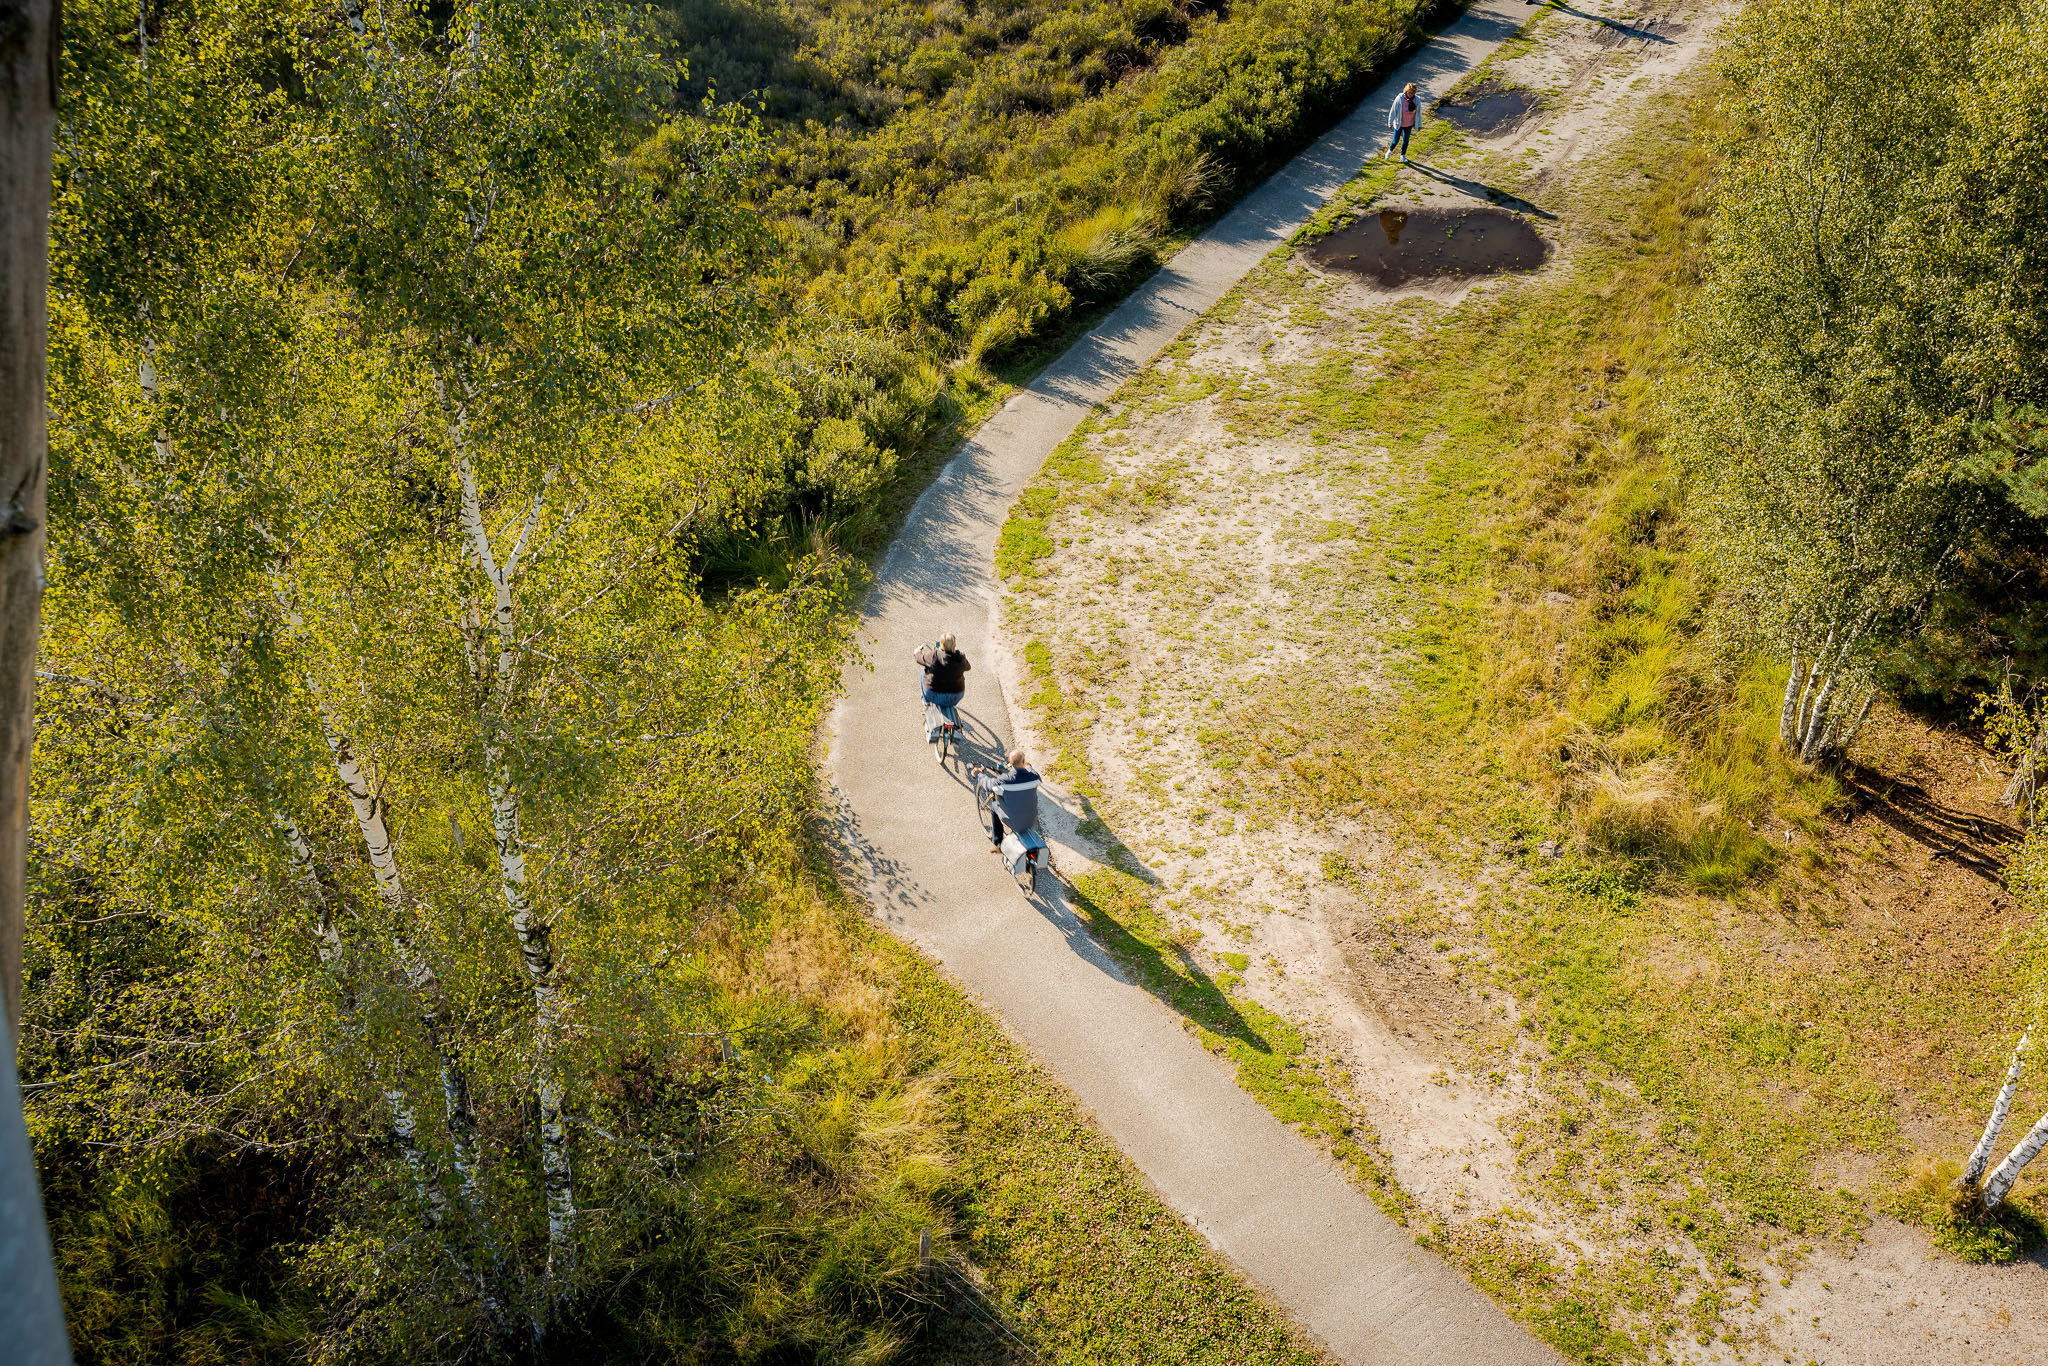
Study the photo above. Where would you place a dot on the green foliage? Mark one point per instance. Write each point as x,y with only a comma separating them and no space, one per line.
951,188
430,404
1872,301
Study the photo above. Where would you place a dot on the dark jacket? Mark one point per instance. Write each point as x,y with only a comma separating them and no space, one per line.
945,671
1015,792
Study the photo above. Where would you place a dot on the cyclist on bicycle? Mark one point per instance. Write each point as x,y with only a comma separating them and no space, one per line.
945,680
1011,795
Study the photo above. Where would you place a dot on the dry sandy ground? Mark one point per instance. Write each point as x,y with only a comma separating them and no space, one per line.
1215,560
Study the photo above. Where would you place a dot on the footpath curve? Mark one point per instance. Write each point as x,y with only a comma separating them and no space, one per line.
1276,1207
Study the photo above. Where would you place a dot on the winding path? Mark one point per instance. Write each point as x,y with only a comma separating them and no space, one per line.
1274,1205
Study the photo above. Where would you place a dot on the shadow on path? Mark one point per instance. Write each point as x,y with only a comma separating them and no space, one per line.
1115,907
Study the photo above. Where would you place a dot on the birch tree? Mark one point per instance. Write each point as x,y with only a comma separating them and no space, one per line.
1989,1183
494,222
389,695
1863,315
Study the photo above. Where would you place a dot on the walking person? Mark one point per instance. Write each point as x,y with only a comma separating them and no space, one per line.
1402,118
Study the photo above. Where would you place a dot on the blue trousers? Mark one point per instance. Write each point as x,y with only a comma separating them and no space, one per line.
1400,142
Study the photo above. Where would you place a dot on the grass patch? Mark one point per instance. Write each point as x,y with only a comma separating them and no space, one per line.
1721,1056
1086,1259
1959,1226
1272,1058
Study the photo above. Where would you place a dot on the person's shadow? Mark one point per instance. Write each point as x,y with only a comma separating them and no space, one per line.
1101,916
1478,189
1641,35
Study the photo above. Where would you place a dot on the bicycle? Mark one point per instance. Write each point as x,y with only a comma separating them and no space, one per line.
1024,852
942,730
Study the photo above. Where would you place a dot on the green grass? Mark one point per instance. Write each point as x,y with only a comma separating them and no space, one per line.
1089,1261
1272,1058
1712,1042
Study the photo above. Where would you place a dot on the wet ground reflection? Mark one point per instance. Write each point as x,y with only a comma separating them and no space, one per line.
1400,246
1488,109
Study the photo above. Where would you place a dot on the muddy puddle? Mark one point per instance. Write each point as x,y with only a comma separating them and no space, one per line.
1396,247
1488,110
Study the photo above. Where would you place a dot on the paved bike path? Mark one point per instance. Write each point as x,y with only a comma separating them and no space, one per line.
1277,1207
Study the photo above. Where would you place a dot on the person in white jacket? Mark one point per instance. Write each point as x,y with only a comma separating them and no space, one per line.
1402,118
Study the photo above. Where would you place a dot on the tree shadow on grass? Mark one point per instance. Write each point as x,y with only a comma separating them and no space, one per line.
1619,31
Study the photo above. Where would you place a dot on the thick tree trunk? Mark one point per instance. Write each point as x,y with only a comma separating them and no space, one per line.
31,1312
28,104
1980,1157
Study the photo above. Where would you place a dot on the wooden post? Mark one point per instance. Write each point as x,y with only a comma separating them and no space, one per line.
29,57
31,1312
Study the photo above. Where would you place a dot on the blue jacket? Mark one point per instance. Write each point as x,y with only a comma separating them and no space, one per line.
1394,113
1015,791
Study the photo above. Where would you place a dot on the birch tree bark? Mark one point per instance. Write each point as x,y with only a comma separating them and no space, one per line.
1999,1184
1788,711
430,995
328,945
535,935
1980,1157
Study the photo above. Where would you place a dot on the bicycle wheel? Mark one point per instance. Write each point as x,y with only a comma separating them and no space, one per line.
945,743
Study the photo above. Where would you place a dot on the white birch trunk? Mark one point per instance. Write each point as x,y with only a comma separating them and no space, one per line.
535,935
536,950
1999,1184
1834,737
146,372
1809,745
327,943
1980,1157
419,974
1788,713
1855,727
1800,714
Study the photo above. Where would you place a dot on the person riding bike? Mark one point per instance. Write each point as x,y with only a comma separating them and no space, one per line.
945,680
1012,797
